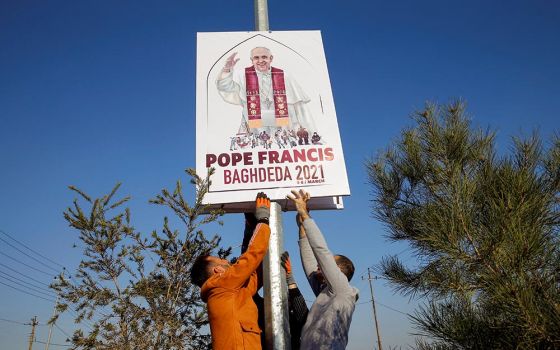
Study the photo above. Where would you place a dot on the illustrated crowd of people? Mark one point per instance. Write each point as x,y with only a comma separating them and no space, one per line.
235,309
280,138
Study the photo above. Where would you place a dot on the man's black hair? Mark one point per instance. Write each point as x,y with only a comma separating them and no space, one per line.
199,270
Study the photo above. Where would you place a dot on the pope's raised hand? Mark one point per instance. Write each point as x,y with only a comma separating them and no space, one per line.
230,62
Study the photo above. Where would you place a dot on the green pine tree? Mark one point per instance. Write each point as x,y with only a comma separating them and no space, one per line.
483,226
133,291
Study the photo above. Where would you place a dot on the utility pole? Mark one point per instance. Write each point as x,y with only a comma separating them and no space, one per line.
277,328
374,310
54,313
51,325
32,335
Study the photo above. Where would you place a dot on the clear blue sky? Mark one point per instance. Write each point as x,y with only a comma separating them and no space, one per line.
95,92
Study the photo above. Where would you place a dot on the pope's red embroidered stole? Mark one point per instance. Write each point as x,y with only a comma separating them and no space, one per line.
254,99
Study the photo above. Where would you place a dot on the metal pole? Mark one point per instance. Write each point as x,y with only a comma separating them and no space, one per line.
277,329
261,15
374,310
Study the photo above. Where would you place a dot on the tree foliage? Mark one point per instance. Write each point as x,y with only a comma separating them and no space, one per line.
133,291
484,228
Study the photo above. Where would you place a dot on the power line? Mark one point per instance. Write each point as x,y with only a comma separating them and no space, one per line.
31,267
23,291
23,245
38,324
62,330
22,281
53,344
27,255
384,305
24,286
393,309
24,275
84,320
16,322
364,272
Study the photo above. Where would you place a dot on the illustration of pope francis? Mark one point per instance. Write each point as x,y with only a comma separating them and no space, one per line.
270,98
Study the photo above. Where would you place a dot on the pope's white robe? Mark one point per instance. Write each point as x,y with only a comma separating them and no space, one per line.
231,87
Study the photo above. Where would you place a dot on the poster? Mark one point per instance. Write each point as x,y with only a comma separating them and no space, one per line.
266,120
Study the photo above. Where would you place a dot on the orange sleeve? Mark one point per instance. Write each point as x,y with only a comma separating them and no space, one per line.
238,274
253,282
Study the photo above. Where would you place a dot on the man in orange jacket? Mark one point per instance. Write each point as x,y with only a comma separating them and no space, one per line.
228,289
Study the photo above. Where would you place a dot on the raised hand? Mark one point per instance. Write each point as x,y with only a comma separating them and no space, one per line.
262,207
230,62
300,199
287,266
